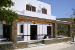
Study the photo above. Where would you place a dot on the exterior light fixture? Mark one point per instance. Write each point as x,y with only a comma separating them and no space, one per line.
34,23
49,24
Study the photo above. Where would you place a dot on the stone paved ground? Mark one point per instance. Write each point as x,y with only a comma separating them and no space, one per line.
58,46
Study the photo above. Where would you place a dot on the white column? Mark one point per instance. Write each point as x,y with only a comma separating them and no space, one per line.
18,28
25,32
45,29
28,32
1,29
38,29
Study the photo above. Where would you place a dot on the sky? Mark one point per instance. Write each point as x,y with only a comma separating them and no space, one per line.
60,8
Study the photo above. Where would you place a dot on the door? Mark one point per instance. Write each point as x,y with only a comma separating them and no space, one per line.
49,30
33,31
6,31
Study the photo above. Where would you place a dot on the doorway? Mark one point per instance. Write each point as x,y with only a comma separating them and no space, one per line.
6,31
48,30
33,31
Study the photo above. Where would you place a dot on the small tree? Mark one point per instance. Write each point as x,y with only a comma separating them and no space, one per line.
6,3
8,16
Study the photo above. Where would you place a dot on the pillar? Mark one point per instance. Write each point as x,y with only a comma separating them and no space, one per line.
25,32
69,30
28,32
38,29
13,35
54,30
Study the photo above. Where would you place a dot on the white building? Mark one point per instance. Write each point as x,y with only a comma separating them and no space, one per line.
33,8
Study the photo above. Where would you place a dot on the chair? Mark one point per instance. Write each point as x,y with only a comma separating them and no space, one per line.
36,37
46,36
3,38
50,37
22,36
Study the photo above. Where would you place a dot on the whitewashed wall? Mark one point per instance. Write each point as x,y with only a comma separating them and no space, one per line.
41,29
1,29
20,8
21,5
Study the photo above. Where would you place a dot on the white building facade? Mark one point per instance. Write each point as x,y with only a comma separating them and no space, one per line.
20,8
33,8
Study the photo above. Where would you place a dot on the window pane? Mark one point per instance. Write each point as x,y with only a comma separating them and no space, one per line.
30,8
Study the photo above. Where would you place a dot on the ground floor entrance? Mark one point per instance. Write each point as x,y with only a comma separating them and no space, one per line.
33,31
6,31
49,30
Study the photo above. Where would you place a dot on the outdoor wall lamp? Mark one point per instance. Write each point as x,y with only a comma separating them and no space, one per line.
34,23
49,24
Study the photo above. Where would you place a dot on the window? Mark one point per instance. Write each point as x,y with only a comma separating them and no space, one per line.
21,28
33,8
30,8
44,11
27,7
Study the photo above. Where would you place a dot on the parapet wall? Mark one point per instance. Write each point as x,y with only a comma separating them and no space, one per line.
52,41
12,46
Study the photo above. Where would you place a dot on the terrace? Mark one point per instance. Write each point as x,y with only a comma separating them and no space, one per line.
13,43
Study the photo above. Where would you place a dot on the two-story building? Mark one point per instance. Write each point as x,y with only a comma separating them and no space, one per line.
34,19
33,8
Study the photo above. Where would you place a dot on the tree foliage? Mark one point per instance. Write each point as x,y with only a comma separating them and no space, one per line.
74,20
62,29
7,15
6,3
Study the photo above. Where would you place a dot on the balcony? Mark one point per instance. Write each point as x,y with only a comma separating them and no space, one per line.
36,14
